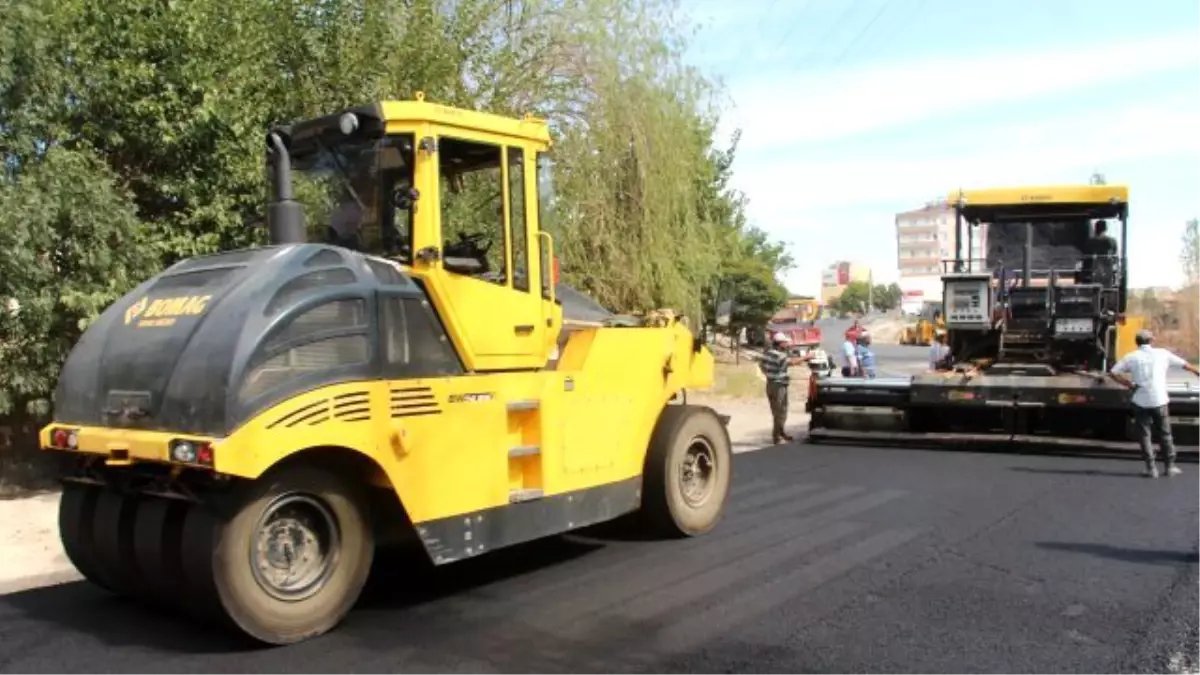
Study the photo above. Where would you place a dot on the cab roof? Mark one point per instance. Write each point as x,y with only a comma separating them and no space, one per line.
1046,202
419,110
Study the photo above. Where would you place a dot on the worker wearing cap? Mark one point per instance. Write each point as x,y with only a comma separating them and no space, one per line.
1145,371
775,363
850,353
865,356
939,353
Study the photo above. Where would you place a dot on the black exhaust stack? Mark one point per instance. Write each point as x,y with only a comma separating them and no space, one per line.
285,216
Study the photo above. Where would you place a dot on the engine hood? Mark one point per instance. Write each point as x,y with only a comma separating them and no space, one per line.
174,353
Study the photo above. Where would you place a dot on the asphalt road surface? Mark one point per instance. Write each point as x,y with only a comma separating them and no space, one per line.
829,559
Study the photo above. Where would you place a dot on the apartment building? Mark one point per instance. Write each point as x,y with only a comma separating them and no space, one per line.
839,275
925,238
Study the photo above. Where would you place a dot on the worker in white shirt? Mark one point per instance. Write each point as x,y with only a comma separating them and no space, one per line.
939,353
1145,371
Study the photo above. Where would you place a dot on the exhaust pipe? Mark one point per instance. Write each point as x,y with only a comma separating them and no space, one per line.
285,216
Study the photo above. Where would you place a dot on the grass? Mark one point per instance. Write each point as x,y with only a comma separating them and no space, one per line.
738,380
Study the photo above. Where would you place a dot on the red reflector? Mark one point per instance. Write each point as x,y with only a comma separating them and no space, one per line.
204,455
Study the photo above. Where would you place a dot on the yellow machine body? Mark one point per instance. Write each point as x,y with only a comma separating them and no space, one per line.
543,407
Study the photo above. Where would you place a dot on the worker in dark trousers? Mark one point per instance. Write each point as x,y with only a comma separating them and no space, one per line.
1145,371
775,363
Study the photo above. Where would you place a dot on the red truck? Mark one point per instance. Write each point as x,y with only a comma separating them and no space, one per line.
805,336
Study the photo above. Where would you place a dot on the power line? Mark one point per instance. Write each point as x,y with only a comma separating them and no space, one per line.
824,38
763,17
865,29
905,19
792,27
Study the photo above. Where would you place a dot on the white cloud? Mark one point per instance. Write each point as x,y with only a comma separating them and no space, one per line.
844,208
815,183
776,108
1055,149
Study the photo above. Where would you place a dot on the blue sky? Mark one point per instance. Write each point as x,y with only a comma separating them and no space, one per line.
854,110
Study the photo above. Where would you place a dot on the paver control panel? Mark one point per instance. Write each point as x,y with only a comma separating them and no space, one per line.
968,302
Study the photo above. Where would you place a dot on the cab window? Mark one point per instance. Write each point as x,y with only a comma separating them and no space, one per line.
414,342
516,216
471,185
545,215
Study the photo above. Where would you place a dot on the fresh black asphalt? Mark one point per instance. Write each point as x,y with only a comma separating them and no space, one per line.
829,559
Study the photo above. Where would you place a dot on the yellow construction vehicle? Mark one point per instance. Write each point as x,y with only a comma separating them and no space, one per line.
1033,329
925,329
250,425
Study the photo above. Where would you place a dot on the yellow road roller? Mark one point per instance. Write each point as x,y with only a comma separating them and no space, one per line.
400,359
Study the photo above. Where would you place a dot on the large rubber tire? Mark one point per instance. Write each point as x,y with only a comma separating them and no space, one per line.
157,537
76,528
246,601
113,535
666,507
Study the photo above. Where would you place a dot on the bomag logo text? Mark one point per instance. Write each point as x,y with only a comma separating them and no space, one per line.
147,313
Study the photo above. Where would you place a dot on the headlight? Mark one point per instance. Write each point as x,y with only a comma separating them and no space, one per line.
348,123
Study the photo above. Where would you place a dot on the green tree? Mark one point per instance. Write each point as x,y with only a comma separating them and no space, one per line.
166,104
886,297
750,262
853,298
73,245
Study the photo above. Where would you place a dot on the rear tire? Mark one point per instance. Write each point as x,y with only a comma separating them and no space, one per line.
313,522
112,527
157,536
77,530
689,465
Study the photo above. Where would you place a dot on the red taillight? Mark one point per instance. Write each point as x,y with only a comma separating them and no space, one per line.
812,387
555,265
64,438
184,451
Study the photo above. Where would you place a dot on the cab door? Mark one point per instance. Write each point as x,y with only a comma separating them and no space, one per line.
488,286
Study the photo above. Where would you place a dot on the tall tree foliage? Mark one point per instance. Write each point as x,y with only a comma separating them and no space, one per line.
72,245
1189,255
158,109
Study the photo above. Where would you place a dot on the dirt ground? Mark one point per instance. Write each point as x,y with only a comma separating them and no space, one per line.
33,556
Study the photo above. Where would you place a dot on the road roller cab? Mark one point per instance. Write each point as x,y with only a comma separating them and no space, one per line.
249,424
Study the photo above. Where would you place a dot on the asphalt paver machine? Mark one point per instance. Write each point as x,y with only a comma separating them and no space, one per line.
1033,328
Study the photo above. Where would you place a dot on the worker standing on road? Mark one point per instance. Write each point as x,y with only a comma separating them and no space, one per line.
775,363
1145,371
850,353
866,357
939,353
